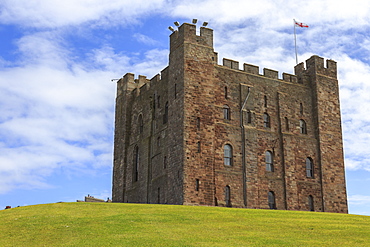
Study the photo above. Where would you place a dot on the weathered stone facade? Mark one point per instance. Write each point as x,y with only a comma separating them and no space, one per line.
207,134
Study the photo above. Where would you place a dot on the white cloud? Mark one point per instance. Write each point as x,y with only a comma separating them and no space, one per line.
145,39
58,13
359,199
58,114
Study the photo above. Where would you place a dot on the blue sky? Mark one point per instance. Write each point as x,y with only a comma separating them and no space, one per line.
57,59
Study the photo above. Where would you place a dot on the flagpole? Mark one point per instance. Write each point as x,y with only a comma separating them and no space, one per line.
295,42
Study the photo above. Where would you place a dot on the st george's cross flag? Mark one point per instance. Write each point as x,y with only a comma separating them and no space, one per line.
300,24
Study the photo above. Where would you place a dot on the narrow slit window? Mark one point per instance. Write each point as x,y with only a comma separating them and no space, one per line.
302,126
136,164
265,101
227,196
311,206
286,124
301,108
226,111
249,116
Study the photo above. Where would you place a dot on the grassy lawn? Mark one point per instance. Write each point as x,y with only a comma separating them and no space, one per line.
119,224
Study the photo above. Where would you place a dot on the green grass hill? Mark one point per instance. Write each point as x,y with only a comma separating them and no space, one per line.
121,224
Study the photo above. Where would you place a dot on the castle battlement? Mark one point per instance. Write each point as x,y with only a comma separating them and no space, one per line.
315,64
187,33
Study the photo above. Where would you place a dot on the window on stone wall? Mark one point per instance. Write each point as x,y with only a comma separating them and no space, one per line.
302,126
226,110
265,101
249,116
159,101
165,162
228,155
136,164
199,145
141,124
196,184
226,93
227,196
309,167
269,161
175,91
158,141
266,120
286,124
271,200
198,123
165,115
311,203
301,108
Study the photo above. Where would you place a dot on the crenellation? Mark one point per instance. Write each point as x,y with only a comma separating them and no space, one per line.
252,69
230,63
271,73
290,78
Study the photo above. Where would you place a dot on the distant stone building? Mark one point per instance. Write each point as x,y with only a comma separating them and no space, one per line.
207,134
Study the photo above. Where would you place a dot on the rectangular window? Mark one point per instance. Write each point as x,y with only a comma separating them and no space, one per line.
197,185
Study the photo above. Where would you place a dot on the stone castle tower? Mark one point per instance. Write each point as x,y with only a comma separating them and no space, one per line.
207,134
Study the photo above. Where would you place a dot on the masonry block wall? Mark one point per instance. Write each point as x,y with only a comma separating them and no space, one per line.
200,133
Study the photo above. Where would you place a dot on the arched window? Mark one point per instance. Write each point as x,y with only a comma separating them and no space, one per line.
271,200
286,124
165,115
302,126
228,155
269,161
311,206
199,146
141,124
136,164
226,110
249,116
309,167
227,196
266,120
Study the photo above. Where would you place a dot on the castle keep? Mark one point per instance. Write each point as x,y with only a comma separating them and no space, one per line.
201,133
